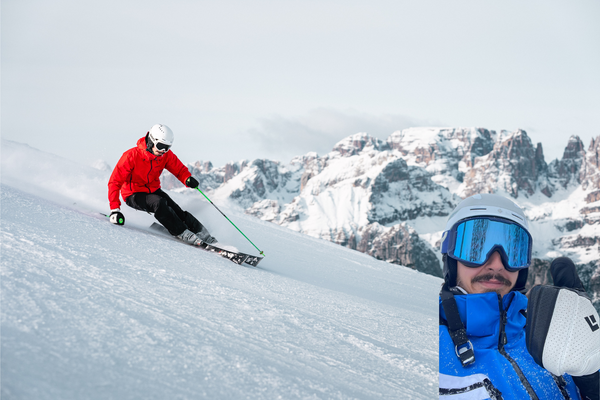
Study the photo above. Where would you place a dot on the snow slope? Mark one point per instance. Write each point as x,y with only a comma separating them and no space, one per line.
95,311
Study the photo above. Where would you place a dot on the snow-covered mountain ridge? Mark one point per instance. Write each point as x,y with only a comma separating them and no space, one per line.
390,198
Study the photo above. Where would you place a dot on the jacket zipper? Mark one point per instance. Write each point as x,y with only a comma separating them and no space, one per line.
148,178
494,393
502,340
562,385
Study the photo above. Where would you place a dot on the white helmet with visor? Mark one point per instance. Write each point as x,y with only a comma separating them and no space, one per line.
479,226
161,136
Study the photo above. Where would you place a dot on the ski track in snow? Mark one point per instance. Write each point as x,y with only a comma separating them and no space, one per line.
95,311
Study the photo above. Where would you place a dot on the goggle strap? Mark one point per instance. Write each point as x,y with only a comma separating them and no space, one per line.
456,329
159,145
445,242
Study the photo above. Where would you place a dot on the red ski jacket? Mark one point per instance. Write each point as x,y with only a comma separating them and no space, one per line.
138,170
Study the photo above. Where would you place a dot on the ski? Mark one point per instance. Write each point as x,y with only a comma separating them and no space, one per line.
236,257
233,256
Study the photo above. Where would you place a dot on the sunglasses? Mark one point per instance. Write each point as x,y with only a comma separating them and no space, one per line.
474,240
162,147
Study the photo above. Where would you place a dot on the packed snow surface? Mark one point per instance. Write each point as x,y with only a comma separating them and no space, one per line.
95,311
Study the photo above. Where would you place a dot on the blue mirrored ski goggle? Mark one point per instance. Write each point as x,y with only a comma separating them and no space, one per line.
473,241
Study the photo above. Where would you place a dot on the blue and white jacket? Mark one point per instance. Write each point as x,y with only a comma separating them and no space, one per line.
503,368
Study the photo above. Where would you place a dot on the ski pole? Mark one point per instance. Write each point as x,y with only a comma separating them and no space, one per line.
206,197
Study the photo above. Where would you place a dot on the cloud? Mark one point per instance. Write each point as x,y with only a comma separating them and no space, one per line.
320,129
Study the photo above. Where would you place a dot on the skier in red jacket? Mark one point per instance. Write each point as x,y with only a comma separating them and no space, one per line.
137,178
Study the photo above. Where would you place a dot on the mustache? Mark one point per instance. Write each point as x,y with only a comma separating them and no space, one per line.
489,277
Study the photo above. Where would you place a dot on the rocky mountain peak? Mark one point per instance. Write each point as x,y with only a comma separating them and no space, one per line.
355,144
590,170
575,149
391,198
203,166
567,170
594,152
514,165
443,151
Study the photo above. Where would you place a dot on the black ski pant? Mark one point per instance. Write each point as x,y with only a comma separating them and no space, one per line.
165,210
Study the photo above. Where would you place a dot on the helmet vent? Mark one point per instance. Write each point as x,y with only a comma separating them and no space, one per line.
518,216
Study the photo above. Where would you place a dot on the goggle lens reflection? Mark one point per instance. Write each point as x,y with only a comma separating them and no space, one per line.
476,238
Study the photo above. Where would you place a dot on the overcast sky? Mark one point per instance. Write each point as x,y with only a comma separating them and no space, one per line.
274,79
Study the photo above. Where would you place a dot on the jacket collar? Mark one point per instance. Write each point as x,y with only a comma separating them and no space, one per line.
141,145
481,315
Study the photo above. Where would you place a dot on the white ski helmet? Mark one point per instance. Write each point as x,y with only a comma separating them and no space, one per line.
480,205
490,205
160,133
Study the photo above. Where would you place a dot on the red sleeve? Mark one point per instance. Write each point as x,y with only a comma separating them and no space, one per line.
177,168
120,174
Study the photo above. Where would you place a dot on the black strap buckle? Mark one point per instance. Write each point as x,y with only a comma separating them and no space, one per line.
462,345
465,353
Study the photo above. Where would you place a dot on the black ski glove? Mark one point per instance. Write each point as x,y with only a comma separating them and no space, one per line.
562,329
191,182
564,274
116,217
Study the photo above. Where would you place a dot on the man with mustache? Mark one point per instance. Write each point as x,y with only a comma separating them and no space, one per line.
487,249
